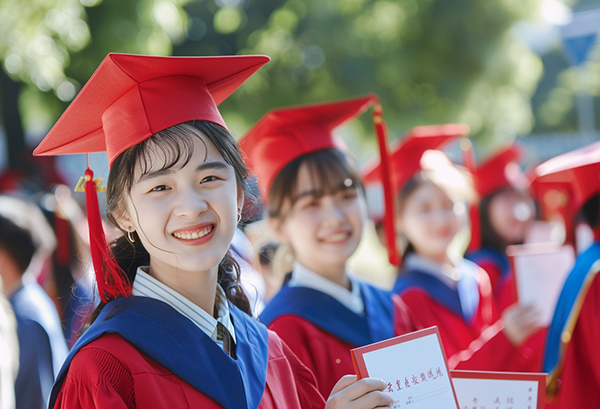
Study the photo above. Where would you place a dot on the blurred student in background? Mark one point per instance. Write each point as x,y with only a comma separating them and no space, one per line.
438,285
9,353
503,217
26,243
568,187
317,207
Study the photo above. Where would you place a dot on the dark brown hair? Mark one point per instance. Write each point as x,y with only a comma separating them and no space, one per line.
175,146
329,169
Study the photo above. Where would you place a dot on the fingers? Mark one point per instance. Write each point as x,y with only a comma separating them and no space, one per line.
352,394
343,383
520,322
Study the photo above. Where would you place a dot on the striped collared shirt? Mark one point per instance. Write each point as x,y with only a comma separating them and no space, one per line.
147,286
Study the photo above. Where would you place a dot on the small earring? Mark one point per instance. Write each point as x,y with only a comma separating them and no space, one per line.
239,216
130,237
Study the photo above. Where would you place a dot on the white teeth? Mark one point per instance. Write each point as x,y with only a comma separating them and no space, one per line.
193,235
336,237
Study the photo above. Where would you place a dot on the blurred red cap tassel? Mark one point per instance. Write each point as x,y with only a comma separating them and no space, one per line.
389,215
112,281
469,162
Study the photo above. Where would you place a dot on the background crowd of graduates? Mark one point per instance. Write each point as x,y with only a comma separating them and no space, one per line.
323,310
337,246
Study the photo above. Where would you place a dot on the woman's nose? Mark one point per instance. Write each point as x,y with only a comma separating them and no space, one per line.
190,203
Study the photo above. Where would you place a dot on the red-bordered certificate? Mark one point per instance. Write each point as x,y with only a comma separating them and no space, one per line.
499,390
414,368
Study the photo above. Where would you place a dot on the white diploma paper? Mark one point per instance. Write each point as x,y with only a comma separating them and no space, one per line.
496,390
540,273
414,368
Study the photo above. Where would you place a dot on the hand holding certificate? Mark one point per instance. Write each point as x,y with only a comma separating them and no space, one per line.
414,368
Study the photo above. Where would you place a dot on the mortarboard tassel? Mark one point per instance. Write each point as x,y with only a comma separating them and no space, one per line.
389,216
474,216
111,280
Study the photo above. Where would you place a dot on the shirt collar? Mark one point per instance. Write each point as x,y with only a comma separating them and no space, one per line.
446,273
304,277
147,286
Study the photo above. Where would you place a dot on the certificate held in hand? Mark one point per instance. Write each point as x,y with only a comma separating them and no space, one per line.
414,368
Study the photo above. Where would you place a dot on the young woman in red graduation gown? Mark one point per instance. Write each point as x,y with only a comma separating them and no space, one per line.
316,206
442,288
181,334
505,214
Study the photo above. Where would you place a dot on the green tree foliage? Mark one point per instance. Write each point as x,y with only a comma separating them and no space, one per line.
430,61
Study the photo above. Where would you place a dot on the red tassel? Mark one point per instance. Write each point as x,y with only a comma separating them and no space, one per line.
390,209
112,282
474,213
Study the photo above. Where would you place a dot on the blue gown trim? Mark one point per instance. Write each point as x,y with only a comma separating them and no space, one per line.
497,258
570,294
154,327
463,301
327,313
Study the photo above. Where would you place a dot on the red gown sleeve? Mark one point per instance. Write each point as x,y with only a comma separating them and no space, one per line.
96,379
308,393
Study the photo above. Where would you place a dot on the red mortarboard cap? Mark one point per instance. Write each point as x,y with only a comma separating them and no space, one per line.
399,166
131,97
127,100
564,183
499,171
406,153
285,134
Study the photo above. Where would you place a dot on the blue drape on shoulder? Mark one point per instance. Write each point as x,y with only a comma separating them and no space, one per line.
494,256
327,313
569,295
463,301
154,327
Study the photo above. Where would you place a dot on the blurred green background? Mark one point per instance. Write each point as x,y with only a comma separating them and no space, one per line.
499,65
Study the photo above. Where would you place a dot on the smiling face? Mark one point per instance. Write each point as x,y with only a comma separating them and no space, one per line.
428,218
185,213
511,214
322,225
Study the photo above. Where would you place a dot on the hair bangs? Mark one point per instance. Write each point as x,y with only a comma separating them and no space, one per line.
331,170
172,146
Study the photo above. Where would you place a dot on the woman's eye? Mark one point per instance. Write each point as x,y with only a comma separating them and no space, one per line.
159,188
349,195
209,179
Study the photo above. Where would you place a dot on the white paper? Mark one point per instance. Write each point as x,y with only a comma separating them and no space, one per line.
415,372
540,273
495,393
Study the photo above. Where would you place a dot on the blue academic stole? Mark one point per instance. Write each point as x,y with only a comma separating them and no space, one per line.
568,306
496,257
463,301
327,313
174,342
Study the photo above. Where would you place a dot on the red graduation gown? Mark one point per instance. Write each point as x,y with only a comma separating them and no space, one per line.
477,343
324,345
110,373
141,352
